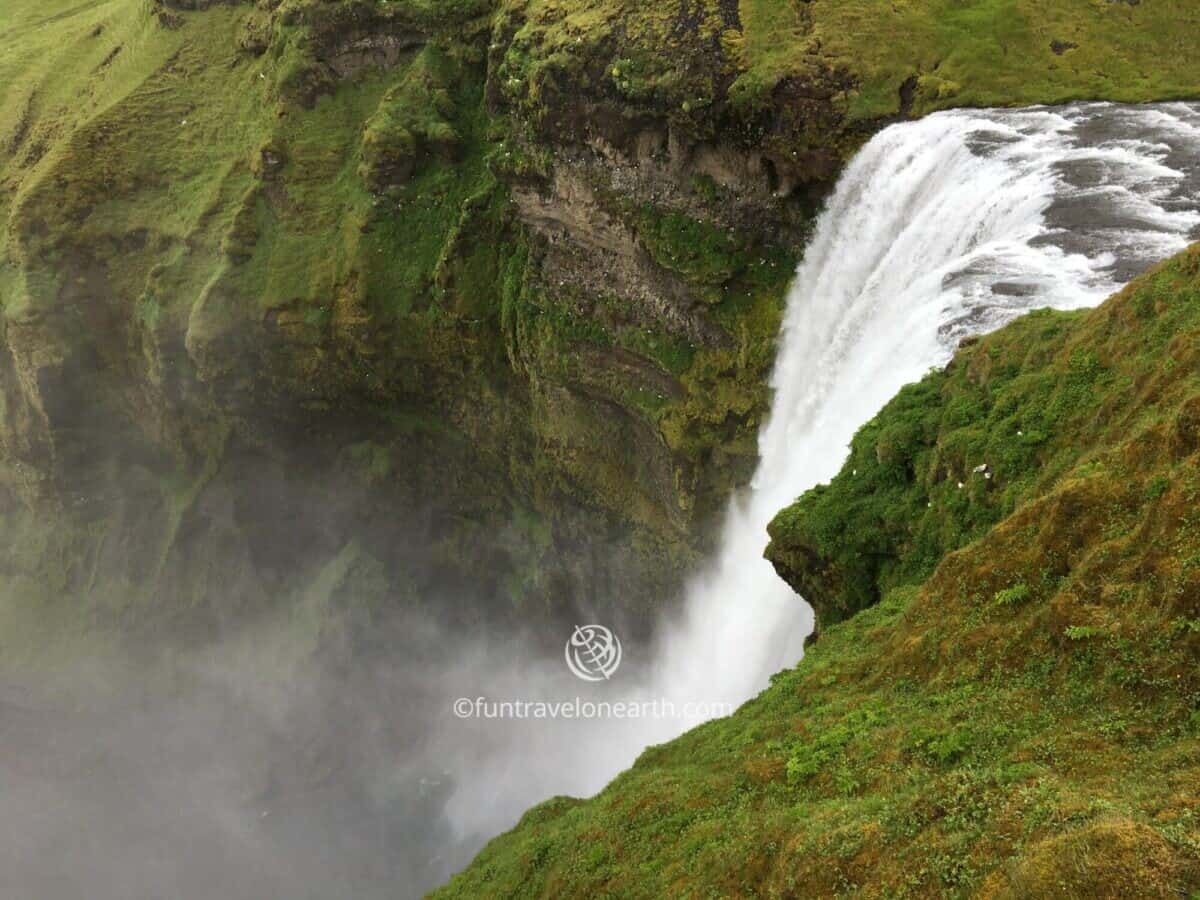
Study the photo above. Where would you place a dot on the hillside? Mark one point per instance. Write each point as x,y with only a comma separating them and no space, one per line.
1017,714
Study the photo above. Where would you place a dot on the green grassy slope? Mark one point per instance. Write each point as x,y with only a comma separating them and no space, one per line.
979,53
1019,716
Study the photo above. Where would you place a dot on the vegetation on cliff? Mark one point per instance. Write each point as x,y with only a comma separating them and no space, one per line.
1019,715
226,222
1021,415
809,81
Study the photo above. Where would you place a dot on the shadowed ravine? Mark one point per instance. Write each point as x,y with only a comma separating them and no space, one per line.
939,229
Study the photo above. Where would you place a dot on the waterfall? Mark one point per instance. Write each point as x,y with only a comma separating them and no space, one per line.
940,228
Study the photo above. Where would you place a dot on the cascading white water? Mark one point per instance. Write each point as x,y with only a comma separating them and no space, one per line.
939,228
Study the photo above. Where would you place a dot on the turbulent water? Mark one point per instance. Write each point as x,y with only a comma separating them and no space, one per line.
949,226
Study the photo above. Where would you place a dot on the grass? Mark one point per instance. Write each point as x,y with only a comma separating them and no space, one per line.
1002,52
977,52
850,57
1016,714
1032,406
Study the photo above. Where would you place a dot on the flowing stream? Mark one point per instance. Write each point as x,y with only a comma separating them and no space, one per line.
940,228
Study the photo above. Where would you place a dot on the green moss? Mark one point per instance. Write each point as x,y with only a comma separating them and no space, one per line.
414,121
1016,404
701,252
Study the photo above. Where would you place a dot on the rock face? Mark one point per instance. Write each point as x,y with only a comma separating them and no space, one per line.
324,285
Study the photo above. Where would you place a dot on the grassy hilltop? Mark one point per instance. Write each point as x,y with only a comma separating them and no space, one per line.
1015,709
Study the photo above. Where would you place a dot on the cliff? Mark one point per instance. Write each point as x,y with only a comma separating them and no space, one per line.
460,291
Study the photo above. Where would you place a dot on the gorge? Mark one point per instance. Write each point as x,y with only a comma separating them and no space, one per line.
353,353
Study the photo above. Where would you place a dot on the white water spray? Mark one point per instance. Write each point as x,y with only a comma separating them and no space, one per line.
940,228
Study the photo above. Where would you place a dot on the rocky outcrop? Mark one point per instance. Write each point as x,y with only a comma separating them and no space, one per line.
483,359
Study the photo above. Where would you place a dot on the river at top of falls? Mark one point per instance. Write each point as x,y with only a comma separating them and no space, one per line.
940,228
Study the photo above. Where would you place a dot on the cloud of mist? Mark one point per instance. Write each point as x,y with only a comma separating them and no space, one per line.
261,766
